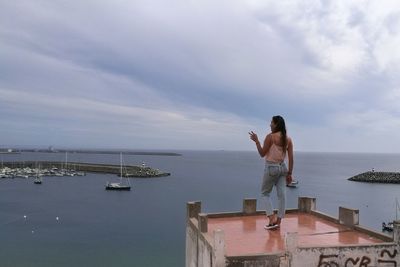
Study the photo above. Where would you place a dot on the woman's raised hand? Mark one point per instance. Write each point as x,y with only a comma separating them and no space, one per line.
253,136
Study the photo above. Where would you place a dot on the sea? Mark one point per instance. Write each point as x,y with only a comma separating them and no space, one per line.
74,221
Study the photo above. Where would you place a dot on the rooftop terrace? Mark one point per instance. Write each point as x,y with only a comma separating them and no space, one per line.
306,238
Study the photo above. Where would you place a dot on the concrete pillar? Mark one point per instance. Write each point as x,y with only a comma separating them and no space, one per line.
396,232
307,204
203,222
291,241
219,248
192,244
291,246
249,206
193,209
348,217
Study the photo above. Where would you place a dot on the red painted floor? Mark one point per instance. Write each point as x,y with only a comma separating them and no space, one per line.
246,235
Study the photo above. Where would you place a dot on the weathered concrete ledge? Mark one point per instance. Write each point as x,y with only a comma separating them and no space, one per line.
377,177
127,170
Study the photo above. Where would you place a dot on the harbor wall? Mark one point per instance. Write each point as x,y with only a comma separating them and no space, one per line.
127,170
377,177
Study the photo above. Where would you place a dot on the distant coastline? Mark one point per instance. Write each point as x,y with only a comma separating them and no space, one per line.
87,151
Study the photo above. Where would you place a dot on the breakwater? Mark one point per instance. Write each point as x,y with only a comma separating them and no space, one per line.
127,170
377,177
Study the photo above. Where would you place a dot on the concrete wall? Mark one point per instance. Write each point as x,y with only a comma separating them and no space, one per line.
200,251
257,261
367,256
191,246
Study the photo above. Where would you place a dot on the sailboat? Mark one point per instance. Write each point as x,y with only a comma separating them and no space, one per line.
38,178
119,186
388,227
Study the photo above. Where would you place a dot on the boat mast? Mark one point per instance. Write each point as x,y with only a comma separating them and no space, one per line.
120,161
66,160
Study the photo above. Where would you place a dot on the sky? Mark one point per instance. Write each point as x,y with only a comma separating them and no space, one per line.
200,74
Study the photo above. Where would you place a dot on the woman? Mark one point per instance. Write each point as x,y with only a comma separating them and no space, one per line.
275,148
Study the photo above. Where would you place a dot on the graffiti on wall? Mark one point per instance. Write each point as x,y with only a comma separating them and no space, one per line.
385,257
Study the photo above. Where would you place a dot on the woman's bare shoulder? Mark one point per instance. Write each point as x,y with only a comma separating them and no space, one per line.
289,140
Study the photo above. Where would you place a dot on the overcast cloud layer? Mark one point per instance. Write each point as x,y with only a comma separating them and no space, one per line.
200,74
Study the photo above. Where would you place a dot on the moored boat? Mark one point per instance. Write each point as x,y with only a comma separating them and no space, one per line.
119,186
293,184
387,227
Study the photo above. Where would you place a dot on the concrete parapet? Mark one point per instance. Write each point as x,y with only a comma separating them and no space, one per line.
291,239
203,222
193,209
307,204
219,248
348,217
379,255
249,206
276,260
396,231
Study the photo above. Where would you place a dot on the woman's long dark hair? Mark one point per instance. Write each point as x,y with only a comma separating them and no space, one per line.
280,127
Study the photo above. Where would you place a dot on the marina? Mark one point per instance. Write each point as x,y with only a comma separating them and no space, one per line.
28,172
26,169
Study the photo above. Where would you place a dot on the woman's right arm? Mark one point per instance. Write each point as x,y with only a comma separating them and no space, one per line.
262,150
290,155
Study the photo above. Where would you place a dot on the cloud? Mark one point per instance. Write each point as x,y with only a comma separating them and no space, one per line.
165,74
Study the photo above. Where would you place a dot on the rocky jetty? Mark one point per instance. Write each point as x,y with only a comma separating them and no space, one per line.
377,177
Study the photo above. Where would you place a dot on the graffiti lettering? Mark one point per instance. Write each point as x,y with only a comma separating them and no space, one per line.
354,262
388,252
323,263
364,261
385,251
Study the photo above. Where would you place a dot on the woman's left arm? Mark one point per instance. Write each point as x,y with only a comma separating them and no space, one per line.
290,158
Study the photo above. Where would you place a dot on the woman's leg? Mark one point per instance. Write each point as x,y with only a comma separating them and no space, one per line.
266,189
281,192
268,206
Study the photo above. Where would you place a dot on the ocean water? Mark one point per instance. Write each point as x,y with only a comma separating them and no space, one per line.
73,221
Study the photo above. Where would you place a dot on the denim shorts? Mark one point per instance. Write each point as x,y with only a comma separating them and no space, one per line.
272,173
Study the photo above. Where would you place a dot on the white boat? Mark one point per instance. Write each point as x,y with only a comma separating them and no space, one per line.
388,227
293,184
119,186
38,178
